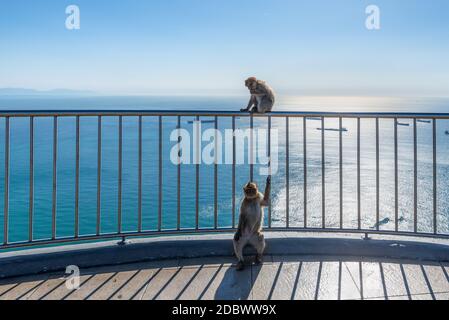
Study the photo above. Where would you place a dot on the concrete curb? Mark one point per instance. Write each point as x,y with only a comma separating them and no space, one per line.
94,255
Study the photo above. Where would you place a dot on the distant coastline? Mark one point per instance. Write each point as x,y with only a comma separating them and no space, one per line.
33,92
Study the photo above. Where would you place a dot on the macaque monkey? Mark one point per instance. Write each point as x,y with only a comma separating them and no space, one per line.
262,96
250,222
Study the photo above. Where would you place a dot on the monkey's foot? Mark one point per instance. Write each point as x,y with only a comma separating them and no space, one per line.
258,259
240,266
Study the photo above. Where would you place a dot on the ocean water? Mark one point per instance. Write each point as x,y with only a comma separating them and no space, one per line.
43,129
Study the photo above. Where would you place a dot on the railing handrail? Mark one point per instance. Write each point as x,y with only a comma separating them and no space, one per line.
137,112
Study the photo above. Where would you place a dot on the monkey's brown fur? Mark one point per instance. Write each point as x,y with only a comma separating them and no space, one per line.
250,221
262,96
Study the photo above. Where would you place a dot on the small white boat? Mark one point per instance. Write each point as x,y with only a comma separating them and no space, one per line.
333,129
424,121
202,121
403,124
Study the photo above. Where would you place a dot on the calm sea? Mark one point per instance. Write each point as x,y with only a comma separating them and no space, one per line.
43,174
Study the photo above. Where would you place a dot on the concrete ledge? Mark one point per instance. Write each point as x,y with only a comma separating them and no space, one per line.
37,261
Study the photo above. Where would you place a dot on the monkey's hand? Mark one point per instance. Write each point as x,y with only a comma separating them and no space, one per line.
269,180
237,235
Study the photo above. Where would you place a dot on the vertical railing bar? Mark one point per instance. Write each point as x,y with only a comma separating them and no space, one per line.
287,172
340,170
54,191
216,176
251,149
31,193
98,176
159,217
233,171
305,169
197,174
269,168
415,177
434,165
77,176
323,177
178,209
396,200
6,201
139,201
119,193
359,195
377,176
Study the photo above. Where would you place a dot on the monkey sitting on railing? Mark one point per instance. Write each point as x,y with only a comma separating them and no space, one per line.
262,96
250,222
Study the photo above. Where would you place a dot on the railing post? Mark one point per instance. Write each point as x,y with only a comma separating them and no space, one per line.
178,200
159,218
197,174
377,176
77,176
305,168
6,201
31,193
359,196
269,168
55,172
323,176
119,193
139,179
233,172
287,173
434,165
396,182
216,175
251,149
415,177
98,226
340,171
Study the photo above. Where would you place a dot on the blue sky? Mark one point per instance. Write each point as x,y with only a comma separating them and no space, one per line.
209,46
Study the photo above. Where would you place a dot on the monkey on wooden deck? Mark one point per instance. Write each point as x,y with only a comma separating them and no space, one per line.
249,230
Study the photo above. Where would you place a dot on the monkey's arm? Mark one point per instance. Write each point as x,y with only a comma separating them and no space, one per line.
266,198
252,102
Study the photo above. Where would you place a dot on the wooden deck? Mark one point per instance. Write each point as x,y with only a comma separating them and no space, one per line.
280,277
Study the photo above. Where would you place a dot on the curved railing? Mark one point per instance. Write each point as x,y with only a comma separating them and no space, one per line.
426,221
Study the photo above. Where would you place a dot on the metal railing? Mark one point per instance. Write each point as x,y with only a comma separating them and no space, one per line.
159,230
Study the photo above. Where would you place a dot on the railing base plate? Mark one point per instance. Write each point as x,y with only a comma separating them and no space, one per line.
366,237
123,242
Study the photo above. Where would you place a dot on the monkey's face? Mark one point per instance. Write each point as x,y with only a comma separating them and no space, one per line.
250,190
251,83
